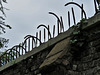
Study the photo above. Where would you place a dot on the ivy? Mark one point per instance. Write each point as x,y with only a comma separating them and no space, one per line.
78,39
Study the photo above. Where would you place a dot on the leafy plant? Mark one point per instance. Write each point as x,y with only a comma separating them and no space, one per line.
3,25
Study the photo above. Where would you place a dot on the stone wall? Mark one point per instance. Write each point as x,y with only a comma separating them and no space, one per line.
28,66
84,60
79,60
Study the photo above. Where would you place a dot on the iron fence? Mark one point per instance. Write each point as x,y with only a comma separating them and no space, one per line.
30,42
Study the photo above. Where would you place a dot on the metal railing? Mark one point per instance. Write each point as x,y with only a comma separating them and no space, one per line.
30,42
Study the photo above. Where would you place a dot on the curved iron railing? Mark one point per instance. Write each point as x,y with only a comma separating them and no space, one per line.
78,6
59,22
49,33
31,42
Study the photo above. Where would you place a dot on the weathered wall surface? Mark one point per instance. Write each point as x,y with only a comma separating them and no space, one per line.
83,60
28,66
80,61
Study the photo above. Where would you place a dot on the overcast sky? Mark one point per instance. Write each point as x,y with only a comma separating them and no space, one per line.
25,15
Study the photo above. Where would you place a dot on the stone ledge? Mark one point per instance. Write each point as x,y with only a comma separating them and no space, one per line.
91,23
42,47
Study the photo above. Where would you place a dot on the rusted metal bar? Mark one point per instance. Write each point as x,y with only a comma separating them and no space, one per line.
29,44
69,19
44,35
53,31
42,25
78,6
40,35
36,39
62,25
6,59
48,32
33,43
22,48
19,46
96,10
73,16
82,13
58,20
8,56
58,26
11,55
25,46
16,52
30,36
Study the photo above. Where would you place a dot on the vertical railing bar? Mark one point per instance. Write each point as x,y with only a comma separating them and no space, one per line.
6,58
25,46
95,6
40,35
53,31
48,32
44,35
36,39
13,55
22,48
62,23
9,56
82,13
16,52
58,26
74,16
19,50
32,42
29,44
69,19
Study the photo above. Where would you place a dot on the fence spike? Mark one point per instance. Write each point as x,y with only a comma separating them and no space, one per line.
48,32
62,25
69,19
73,16
82,13
58,26
95,6
44,35
40,35
36,39
53,31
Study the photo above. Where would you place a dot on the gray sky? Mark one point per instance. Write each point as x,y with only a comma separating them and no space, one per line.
25,15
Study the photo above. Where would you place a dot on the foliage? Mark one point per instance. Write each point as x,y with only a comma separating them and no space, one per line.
78,39
3,25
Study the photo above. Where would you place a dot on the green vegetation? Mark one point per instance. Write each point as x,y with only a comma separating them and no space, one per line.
3,25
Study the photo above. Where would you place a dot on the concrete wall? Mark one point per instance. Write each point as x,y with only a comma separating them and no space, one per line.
83,60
